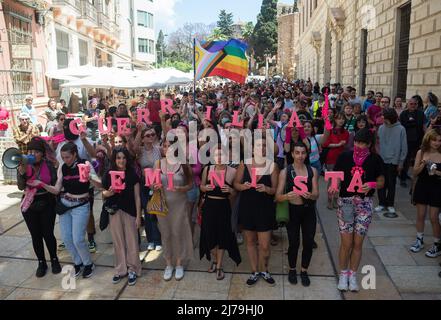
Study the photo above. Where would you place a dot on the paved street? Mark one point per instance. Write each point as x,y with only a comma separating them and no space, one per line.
399,273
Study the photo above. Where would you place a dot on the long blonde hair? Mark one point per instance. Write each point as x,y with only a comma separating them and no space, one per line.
430,135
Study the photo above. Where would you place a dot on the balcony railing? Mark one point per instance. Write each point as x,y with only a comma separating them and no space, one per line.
76,4
88,11
104,22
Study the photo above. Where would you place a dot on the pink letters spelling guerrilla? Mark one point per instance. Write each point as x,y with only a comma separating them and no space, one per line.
84,171
220,179
166,106
300,185
116,178
76,126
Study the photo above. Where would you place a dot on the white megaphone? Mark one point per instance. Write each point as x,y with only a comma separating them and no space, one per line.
13,157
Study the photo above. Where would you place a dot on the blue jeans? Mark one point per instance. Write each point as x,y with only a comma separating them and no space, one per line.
73,225
318,166
151,221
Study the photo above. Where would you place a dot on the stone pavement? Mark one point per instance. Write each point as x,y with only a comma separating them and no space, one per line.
399,274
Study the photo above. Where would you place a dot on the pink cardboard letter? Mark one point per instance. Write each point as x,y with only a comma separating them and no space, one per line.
101,125
122,123
152,176
220,180
116,180
236,122
356,182
260,123
76,126
84,170
294,118
335,177
253,177
144,115
171,186
166,106
300,183
208,113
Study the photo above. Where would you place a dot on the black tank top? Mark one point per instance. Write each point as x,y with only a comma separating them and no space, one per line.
71,179
217,191
291,174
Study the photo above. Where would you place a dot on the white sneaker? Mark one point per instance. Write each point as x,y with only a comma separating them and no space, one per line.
151,246
158,248
239,238
168,273
417,246
343,282
379,209
391,210
353,285
179,274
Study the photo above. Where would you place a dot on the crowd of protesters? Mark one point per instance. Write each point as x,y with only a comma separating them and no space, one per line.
380,138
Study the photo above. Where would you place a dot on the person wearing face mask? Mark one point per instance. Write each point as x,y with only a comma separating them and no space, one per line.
393,150
38,205
354,211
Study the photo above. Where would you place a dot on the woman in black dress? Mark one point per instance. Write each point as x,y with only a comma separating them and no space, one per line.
427,190
216,232
257,212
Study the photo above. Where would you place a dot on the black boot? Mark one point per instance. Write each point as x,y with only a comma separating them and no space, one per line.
41,270
56,267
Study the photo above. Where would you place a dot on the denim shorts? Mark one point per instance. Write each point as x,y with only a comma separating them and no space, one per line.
193,194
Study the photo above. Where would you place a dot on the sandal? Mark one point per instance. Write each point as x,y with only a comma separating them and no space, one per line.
220,274
212,268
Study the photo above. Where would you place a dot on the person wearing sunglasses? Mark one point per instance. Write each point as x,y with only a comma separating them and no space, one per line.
24,132
147,154
57,129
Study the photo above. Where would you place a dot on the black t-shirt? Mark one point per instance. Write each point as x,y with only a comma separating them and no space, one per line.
413,122
125,199
372,166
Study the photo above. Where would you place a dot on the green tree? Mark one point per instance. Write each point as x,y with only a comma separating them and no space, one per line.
216,35
264,40
247,31
161,53
225,24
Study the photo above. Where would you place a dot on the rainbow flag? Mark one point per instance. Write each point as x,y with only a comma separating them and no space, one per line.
222,58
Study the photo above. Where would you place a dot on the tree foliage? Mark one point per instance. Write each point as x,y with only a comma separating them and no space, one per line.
161,48
264,40
225,24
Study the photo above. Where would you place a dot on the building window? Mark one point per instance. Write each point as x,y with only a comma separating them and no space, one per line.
146,46
363,61
62,49
83,51
19,32
145,19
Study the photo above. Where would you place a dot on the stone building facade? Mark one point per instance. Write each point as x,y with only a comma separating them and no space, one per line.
287,55
393,46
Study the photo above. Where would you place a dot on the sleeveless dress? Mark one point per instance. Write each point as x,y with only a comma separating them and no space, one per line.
216,227
257,210
428,188
175,228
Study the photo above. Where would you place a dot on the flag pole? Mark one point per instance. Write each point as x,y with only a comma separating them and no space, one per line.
194,70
